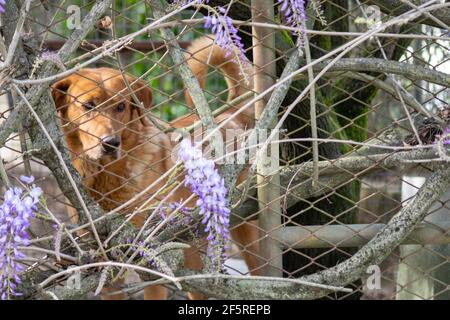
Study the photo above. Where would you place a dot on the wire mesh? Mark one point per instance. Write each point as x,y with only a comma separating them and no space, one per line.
360,102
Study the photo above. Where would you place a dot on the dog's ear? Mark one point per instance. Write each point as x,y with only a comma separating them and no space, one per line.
143,93
59,93
145,96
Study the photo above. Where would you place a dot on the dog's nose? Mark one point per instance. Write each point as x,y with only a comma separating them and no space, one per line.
110,144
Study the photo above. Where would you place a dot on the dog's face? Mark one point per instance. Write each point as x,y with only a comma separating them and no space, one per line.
97,110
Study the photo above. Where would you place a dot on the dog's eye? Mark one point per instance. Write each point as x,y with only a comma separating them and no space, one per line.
89,105
121,107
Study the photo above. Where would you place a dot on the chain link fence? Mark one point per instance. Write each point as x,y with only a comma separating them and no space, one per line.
350,201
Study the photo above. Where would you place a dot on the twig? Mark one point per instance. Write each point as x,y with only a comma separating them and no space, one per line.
17,34
313,113
386,66
228,105
323,69
188,78
34,95
390,7
365,164
73,46
407,97
400,226
397,84
269,280
66,170
4,175
104,264
124,78
62,226
9,126
373,253
428,14
264,25
157,228
47,251
344,50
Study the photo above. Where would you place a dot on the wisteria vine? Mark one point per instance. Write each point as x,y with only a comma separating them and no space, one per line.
227,37
201,176
204,181
294,12
16,213
226,33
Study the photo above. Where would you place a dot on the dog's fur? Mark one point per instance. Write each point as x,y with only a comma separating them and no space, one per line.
144,153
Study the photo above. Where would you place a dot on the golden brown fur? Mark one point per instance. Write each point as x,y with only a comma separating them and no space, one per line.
96,104
202,54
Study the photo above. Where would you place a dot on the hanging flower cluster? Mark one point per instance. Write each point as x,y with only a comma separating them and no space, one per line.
295,13
227,37
15,215
226,33
204,180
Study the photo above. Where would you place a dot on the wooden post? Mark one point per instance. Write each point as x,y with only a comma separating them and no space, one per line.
267,173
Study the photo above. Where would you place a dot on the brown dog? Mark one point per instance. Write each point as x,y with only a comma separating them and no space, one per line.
119,152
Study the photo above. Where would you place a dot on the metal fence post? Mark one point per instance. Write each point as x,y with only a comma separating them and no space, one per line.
268,179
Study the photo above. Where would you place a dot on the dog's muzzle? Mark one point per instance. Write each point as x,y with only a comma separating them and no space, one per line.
110,145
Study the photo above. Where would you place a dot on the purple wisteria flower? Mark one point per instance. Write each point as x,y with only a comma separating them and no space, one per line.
204,180
53,56
182,218
26,179
2,6
15,216
295,13
226,33
144,251
222,26
445,137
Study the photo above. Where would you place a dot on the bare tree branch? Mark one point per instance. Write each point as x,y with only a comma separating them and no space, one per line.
400,226
186,74
346,272
413,72
397,7
45,109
